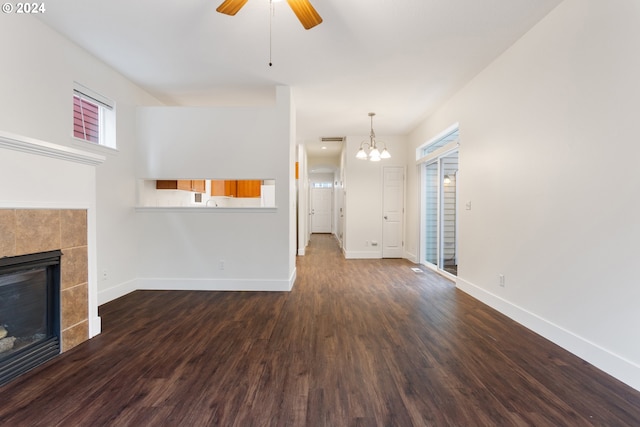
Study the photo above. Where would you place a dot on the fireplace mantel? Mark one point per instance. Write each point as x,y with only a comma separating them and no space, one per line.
45,183
42,148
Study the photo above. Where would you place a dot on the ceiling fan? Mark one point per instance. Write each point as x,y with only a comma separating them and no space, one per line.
307,15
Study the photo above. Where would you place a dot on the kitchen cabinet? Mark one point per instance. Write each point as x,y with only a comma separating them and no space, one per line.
236,188
248,188
223,188
198,185
195,185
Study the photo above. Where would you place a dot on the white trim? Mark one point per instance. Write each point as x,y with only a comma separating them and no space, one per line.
115,292
22,204
444,133
92,96
613,364
253,285
47,149
363,254
95,326
93,146
440,152
411,257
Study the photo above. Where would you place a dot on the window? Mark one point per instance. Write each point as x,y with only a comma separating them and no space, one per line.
441,142
321,185
93,117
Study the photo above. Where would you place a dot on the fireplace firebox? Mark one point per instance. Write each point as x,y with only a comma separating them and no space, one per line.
29,312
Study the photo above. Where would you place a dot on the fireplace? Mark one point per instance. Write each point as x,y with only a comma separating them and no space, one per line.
29,312
48,203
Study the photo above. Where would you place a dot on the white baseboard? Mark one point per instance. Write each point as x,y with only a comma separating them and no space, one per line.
95,326
123,289
114,292
603,359
362,254
411,257
301,252
256,285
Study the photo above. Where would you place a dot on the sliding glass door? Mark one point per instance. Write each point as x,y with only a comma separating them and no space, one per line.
431,194
439,236
448,214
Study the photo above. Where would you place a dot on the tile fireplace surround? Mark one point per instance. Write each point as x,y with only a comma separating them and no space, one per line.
48,202
26,231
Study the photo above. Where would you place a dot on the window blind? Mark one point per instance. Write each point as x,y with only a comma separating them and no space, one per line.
86,119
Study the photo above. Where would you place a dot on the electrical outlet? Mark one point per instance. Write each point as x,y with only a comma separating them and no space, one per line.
501,280
104,275
221,264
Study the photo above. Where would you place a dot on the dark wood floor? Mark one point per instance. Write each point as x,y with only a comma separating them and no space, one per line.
356,343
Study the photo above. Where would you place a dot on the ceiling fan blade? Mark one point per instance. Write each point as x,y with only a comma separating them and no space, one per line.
307,15
231,7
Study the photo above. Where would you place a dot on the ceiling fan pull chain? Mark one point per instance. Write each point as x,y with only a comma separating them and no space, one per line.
271,12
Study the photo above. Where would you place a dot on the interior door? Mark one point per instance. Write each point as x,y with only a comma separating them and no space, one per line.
393,212
321,210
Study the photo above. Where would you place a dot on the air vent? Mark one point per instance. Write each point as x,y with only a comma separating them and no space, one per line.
332,139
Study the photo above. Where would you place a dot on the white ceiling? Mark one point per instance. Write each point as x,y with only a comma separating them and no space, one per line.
398,58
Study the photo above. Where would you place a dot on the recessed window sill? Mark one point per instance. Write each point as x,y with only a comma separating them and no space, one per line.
93,147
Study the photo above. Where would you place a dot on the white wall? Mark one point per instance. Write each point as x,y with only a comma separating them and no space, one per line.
36,174
548,159
321,177
243,249
38,69
363,187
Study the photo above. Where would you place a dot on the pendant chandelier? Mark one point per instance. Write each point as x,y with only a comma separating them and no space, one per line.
369,150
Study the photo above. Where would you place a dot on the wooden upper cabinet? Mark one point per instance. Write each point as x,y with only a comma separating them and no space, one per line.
236,188
196,185
184,184
249,188
223,188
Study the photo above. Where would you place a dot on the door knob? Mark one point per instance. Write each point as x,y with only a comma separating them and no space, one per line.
385,217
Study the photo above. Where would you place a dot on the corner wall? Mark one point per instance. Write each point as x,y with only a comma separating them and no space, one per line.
363,190
36,82
548,160
218,248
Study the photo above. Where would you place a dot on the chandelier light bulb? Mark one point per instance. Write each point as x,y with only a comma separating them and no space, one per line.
374,154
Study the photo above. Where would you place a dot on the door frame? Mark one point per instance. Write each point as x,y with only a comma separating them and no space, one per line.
402,207
435,158
329,190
